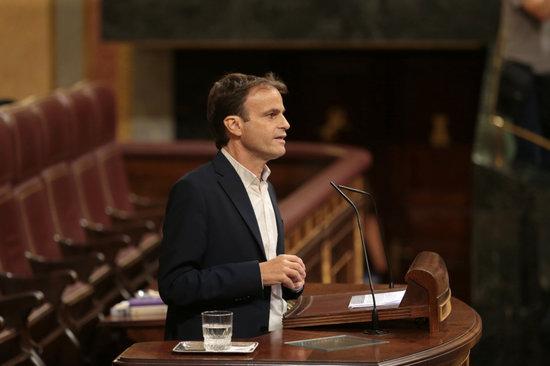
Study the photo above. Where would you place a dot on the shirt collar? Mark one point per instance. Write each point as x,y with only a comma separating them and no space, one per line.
246,175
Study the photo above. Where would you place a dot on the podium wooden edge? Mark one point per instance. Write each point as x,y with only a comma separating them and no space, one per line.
428,283
427,295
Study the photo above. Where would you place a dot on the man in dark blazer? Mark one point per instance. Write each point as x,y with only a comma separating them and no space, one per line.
223,242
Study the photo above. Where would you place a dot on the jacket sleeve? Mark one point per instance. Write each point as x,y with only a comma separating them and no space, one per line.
289,294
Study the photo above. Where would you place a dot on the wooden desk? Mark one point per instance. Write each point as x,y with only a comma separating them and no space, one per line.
407,344
151,327
136,328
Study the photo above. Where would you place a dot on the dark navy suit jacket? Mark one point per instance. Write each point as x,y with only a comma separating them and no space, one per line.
211,251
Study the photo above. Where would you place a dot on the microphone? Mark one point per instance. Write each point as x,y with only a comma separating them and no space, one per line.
379,227
374,330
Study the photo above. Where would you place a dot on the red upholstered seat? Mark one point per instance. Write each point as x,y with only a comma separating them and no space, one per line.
29,158
7,168
47,333
119,197
60,147
98,223
53,195
93,180
120,200
105,100
58,130
65,205
37,229
111,165
12,258
86,117
14,340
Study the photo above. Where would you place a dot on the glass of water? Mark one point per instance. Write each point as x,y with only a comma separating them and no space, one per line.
217,328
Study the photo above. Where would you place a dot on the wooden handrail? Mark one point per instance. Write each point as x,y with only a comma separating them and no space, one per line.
319,225
348,164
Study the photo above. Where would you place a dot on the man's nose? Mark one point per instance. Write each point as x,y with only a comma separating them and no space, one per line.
286,125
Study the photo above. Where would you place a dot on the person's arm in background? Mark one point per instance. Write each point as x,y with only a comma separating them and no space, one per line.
539,9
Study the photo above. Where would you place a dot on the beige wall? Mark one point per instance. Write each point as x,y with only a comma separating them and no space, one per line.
69,42
49,44
26,48
41,45
151,100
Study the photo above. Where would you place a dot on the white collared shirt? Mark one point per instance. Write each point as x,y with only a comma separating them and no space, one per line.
265,216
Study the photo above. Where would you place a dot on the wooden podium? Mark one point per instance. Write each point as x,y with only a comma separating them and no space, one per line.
405,344
427,295
323,312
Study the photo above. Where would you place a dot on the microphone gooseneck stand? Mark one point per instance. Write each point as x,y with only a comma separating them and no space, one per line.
374,330
379,227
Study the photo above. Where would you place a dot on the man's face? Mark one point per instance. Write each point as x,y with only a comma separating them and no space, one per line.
265,130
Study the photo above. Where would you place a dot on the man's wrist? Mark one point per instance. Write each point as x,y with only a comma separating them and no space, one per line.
296,290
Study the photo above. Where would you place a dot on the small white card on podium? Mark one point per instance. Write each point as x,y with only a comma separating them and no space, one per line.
382,299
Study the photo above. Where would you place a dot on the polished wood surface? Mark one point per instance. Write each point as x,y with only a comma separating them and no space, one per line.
408,343
151,327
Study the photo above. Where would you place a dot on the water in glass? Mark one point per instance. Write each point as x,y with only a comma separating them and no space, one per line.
217,329
217,337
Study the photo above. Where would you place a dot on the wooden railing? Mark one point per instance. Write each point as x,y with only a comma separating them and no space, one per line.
320,226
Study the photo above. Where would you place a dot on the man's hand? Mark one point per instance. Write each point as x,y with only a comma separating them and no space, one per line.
286,269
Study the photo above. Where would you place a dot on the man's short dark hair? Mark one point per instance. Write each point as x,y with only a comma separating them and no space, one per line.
227,97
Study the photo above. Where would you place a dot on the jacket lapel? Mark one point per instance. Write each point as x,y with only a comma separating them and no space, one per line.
231,183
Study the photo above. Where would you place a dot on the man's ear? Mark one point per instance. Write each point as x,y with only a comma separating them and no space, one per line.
233,125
